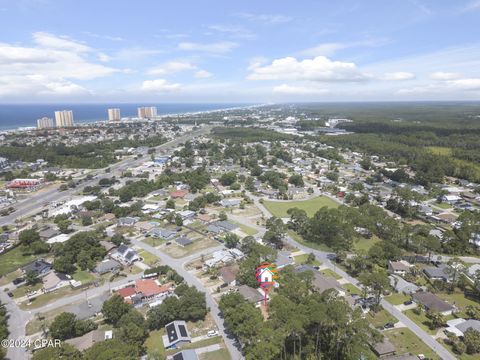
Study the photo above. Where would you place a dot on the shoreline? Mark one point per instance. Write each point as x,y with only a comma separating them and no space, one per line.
158,117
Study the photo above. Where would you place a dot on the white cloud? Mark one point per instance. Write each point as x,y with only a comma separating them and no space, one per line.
447,86
103,57
398,76
171,67
440,75
49,67
203,74
465,84
319,68
234,31
266,18
160,86
299,90
327,49
51,41
471,6
216,47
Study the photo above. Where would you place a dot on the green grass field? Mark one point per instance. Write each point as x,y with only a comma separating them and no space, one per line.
148,258
352,289
83,276
154,344
421,320
298,238
397,298
365,244
13,259
302,259
246,229
221,354
330,273
405,341
380,318
279,208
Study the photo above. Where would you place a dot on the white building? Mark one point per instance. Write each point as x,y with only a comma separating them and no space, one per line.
147,112
114,114
45,123
64,118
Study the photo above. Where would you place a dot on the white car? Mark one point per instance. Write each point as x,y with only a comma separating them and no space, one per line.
212,333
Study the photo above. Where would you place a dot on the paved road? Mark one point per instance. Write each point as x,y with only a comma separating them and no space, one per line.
324,258
178,265
34,204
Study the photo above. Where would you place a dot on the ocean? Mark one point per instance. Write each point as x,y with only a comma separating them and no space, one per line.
13,116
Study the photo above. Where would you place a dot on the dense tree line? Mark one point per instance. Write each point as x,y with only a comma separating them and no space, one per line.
88,156
302,323
250,134
3,328
188,305
66,326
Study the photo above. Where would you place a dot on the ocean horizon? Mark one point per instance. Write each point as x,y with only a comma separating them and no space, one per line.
14,116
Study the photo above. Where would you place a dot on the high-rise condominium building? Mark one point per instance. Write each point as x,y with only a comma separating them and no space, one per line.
114,114
147,112
45,123
64,118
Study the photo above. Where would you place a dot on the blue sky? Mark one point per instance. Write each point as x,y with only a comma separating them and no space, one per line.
239,51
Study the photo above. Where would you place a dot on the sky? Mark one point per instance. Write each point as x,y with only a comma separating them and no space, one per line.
238,51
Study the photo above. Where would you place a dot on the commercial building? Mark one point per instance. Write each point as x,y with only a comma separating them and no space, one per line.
114,114
45,123
64,118
147,112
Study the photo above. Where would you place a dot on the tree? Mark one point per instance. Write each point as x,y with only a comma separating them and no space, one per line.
178,220
63,326
471,338
112,349
311,258
132,328
87,220
63,225
222,216
436,319
114,308
27,237
228,178
231,240
296,180
119,239
64,351
31,277
170,204
376,282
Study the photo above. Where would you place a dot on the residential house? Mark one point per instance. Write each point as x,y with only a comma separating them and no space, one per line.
398,267
55,280
383,348
219,227
144,226
127,221
106,266
164,234
432,302
188,354
320,282
48,233
402,286
229,275
459,326
229,203
176,334
87,340
108,245
89,308
437,273
125,255
250,294
39,267
183,241
178,194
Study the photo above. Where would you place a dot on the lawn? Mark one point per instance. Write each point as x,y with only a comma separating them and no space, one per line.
246,229
380,318
198,344
330,273
352,289
405,341
397,298
365,244
302,259
8,278
23,289
153,241
13,259
459,299
83,276
442,205
154,344
464,356
44,299
178,251
221,354
279,208
421,320
298,238
148,258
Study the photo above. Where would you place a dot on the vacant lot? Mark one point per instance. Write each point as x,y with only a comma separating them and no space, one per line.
279,208
178,251
12,260
405,341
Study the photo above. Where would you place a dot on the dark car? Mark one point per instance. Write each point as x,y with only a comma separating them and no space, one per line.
18,281
388,325
408,302
10,294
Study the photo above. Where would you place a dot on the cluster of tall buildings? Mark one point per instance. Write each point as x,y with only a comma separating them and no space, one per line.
147,112
63,118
